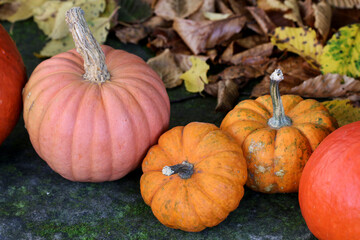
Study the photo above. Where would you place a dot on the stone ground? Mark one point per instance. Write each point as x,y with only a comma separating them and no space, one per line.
37,203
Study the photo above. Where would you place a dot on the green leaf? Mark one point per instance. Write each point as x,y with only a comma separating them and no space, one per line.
133,11
301,41
342,52
343,111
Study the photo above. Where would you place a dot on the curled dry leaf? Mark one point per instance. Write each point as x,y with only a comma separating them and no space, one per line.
328,86
343,111
345,3
307,12
171,9
163,38
301,41
200,36
295,69
228,93
258,53
207,6
134,33
251,41
322,14
294,15
167,68
262,19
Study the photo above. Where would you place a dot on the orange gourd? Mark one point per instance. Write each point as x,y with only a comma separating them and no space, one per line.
94,119
329,192
277,147
194,177
12,81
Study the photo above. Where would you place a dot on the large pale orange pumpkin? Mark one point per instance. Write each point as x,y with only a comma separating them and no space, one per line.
194,177
94,124
278,146
12,81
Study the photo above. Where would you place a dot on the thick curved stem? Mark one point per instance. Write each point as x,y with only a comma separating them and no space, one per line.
279,119
87,46
185,170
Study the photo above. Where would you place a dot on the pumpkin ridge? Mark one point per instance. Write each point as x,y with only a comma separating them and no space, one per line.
324,113
201,159
161,101
209,197
72,138
28,112
131,117
190,203
46,107
45,78
158,88
138,104
108,127
46,111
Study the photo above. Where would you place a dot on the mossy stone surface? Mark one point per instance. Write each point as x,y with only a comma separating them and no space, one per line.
37,203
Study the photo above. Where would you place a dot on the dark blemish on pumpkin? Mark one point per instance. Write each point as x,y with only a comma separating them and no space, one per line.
32,104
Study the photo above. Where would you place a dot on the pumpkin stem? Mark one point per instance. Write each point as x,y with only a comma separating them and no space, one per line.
184,169
279,119
87,46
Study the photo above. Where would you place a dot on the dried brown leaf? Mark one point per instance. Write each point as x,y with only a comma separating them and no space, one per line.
328,86
345,3
322,13
203,35
252,41
228,93
207,6
294,15
295,69
167,68
308,12
223,8
134,33
163,38
257,53
262,19
171,9
238,6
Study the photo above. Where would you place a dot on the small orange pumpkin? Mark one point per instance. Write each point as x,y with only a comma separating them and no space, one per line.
94,119
277,147
194,177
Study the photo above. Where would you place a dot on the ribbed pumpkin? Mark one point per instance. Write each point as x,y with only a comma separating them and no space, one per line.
277,147
329,192
94,119
194,177
12,81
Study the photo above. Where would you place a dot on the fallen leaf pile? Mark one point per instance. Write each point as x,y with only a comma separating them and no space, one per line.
221,46
50,18
315,43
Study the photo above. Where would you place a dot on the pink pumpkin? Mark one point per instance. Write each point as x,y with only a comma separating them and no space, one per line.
94,124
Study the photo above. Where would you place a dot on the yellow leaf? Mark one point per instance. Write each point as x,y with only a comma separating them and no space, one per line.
343,111
195,78
24,9
50,16
301,41
342,52
216,16
99,28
